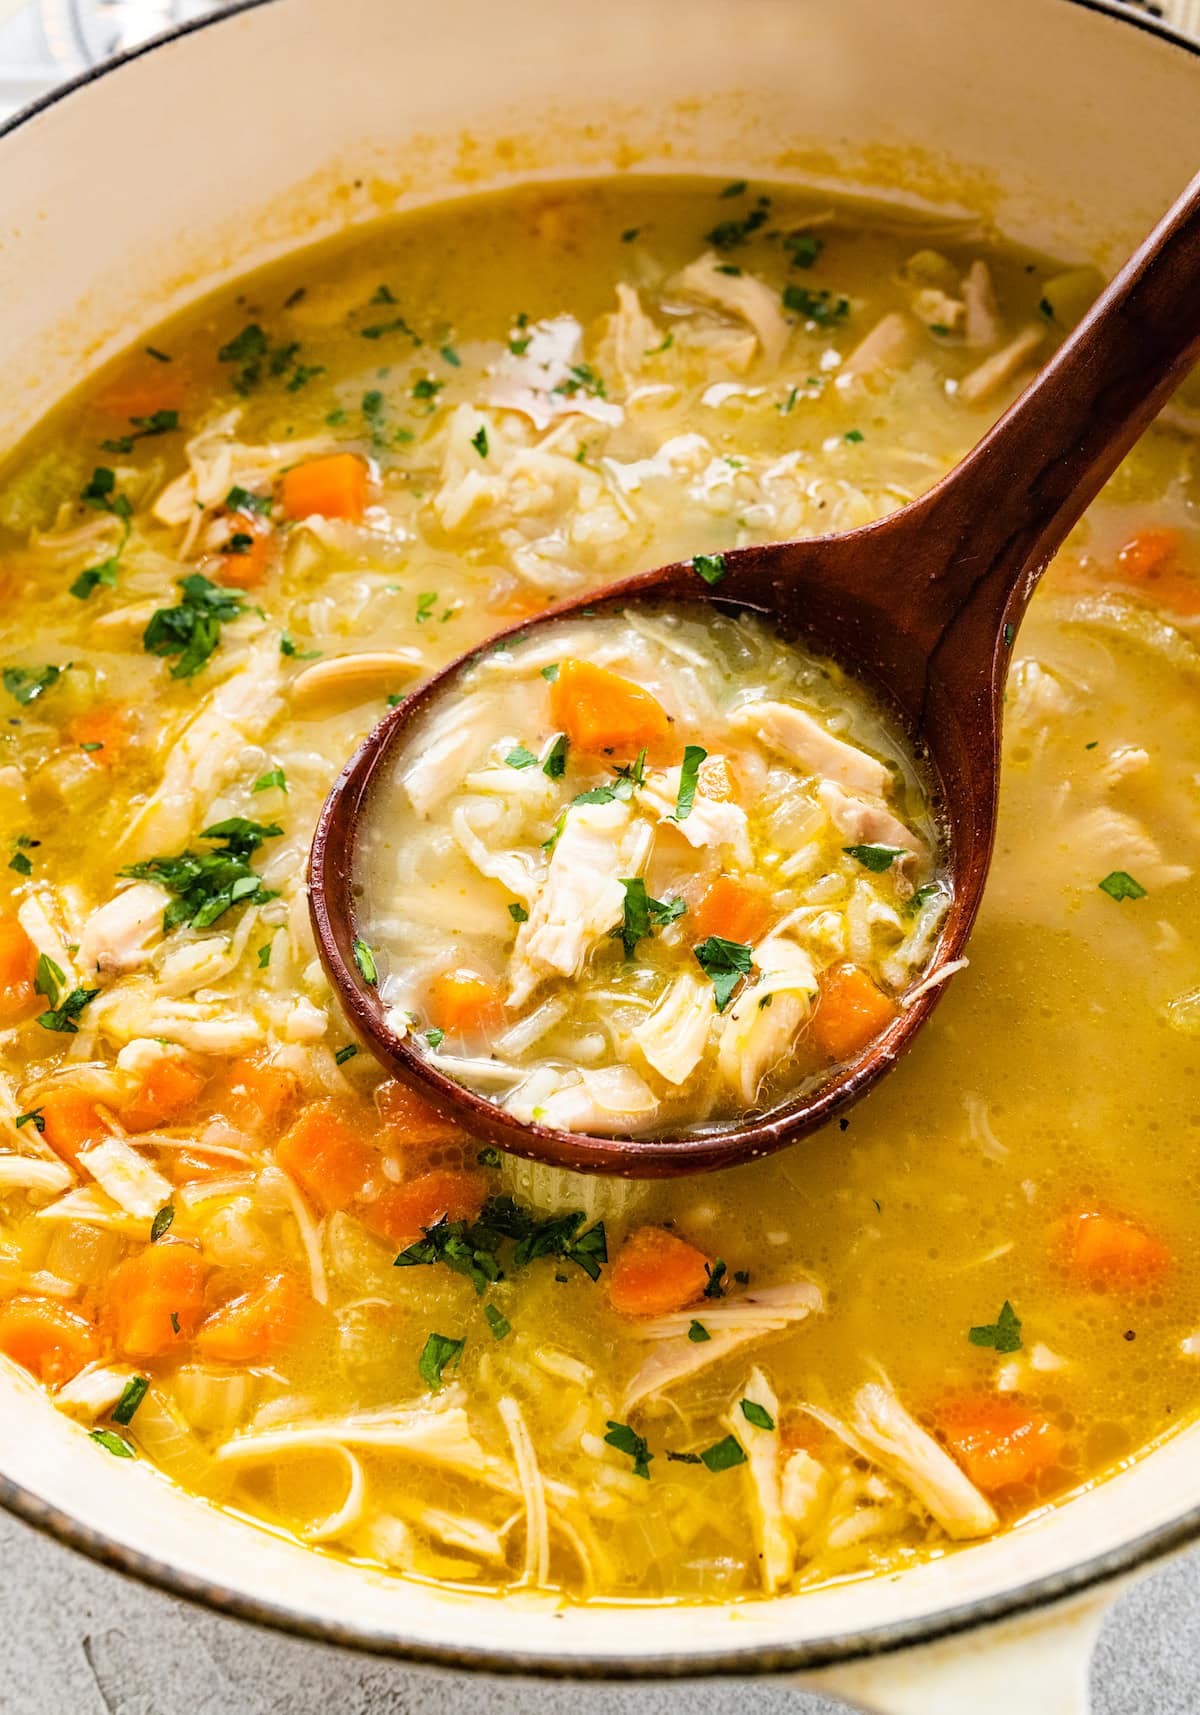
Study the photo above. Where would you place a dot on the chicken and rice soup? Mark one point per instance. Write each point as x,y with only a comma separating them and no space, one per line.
668,847
230,1251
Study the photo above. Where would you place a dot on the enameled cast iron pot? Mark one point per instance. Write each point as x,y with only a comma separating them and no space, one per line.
226,143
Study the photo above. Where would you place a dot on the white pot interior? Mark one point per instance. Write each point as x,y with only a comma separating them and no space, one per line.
134,194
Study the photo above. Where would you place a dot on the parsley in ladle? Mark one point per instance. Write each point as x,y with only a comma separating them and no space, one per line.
725,963
1002,1335
642,915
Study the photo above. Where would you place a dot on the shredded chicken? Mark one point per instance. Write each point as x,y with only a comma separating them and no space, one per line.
731,1323
120,935
982,315
536,1569
1000,368
764,1021
889,345
865,821
673,1037
773,1538
804,741
741,296
129,1179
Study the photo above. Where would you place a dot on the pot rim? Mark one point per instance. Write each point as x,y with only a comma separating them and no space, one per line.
754,1660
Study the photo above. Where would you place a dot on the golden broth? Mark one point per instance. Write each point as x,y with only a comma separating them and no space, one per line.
1056,1081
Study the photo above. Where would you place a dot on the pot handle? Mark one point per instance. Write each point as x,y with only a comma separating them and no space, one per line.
1037,1663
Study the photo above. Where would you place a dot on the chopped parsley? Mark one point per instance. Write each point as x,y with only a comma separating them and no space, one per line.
50,980
803,248
293,650
500,1325
875,858
550,673
27,684
629,234
264,955
439,1351
33,1117
786,408
710,567
728,234
581,378
255,357
723,1455
820,307
715,1284
162,1222
435,1038
489,1157
1119,884
145,428
274,777
927,891
394,324
518,913
1002,1335
135,1391
112,1443
757,1414
642,915
1010,631
698,1333
627,1440
427,388
854,436
426,602
20,860
555,764
725,963
364,958
689,777
207,884
101,494
479,441
664,344
520,757
344,1054
451,356
736,189
192,629
473,1248
158,356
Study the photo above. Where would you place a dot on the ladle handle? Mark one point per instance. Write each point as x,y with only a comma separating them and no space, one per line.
1006,509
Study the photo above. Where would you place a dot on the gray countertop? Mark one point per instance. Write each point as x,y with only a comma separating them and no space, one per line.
83,1639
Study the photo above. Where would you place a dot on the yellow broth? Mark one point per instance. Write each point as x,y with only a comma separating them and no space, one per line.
1054,1083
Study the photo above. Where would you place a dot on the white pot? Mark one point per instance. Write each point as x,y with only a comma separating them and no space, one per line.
229,142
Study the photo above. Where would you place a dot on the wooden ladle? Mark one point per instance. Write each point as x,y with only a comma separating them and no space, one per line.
922,607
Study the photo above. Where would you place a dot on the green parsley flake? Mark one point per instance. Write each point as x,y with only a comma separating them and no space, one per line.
689,777
264,955
112,1443
756,1414
520,757
550,673
1002,1335
642,915
275,777
472,1248
435,1038
518,913
697,1333
716,1272
135,1391
50,980
426,602
439,1351
192,629
821,307
725,963
500,1325
1119,884
479,440
26,684
206,885
555,764
346,1053
489,1157
854,436
364,958
875,858
161,1222
710,567
33,1117
723,1455
627,1440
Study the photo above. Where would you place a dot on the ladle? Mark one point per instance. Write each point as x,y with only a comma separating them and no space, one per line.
921,607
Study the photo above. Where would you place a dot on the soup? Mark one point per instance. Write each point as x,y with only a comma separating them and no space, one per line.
229,1249
668,848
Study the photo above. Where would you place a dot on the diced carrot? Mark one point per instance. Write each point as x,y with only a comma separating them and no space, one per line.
256,1092
403,1212
656,1273
733,909
327,1156
1103,1251
70,1120
1147,552
601,711
255,1324
48,1338
185,1166
410,1120
715,780
460,1001
800,1433
168,1087
18,967
1000,1443
245,568
106,727
157,1299
142,393
851,1011
332,487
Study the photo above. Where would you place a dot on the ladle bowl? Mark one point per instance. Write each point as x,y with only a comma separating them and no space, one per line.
921,608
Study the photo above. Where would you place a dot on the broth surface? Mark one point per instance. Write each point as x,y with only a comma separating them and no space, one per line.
221,560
